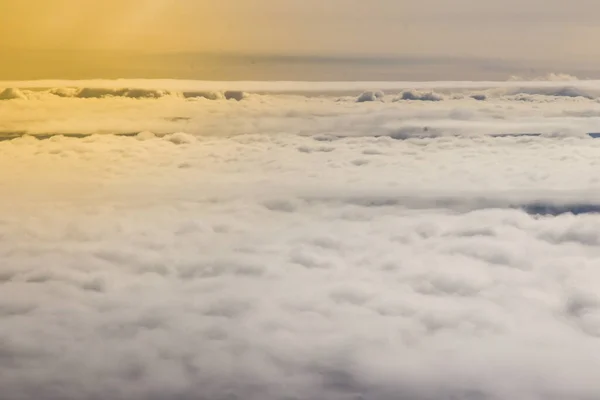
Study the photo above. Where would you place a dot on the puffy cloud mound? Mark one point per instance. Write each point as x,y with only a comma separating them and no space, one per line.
216,95
370,96
210,95
12,94
146,93
416,95
64,92
235,95
177,138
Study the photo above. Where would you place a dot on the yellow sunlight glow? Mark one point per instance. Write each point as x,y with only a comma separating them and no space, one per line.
142,25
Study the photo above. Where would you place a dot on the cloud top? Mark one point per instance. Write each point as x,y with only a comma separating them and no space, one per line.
298,246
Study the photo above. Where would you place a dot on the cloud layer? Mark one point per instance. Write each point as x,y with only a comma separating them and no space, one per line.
286,246
555,108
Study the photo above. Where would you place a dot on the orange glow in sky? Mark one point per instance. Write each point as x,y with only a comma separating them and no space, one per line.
550,32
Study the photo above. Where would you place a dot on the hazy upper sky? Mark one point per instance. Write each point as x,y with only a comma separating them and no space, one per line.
544,28
540,30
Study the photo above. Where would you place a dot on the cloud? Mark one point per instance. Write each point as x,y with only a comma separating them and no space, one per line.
12,94
71,92
132,93
566,91
419,96
235,95
178,138
553,85
206,95
551,77
290,246
370,96
96,93
520,108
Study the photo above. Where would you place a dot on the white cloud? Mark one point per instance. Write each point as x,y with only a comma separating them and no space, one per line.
419,96
288,246
370,96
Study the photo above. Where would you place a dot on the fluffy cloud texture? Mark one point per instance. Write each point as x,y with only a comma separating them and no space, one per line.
299,247
563,108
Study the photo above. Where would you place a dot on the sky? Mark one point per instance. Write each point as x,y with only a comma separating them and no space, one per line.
550,32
